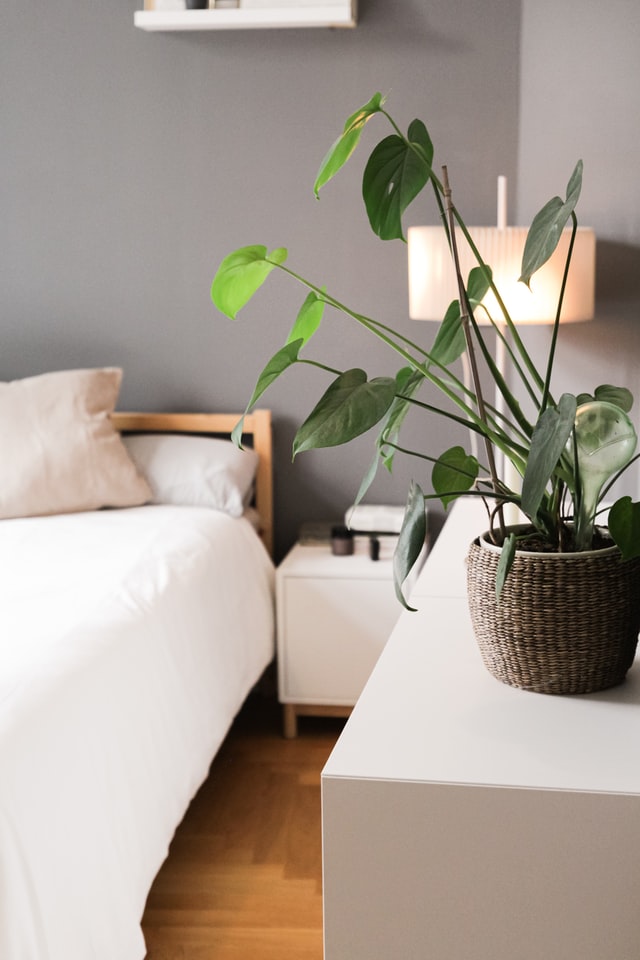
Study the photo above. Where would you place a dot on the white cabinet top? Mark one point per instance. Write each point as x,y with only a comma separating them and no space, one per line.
432,713
318,561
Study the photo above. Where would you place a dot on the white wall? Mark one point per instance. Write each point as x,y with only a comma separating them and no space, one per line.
131,163
580,98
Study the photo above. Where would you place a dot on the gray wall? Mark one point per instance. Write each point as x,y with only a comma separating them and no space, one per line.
580,98
131,163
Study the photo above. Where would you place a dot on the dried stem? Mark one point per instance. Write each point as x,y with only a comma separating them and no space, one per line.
473,366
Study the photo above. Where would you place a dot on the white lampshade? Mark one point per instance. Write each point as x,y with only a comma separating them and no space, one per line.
432,283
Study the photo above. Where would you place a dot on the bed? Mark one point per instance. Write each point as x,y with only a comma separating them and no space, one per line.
130,636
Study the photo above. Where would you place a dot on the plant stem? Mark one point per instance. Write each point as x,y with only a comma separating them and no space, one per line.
516,452
617,475
514,356
321,366
423,456
522,350
439,189
464,313
512,403
385,334
556,323
455,392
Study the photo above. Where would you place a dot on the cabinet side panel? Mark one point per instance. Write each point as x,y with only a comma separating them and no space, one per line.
415,870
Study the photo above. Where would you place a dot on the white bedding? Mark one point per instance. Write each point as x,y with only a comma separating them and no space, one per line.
114,697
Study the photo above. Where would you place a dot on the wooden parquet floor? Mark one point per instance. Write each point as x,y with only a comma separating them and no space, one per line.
243,880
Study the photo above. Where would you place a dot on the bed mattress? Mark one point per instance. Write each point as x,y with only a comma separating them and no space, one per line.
128,642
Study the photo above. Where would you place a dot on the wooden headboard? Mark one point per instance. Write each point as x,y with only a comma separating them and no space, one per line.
257,427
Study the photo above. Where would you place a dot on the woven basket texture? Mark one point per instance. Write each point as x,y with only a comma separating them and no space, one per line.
564,624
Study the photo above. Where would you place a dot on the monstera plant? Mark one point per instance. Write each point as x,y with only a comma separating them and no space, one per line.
567,454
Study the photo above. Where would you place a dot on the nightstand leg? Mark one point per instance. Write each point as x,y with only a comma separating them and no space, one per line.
289,721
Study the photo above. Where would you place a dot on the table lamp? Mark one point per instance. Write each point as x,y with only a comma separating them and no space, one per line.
432,279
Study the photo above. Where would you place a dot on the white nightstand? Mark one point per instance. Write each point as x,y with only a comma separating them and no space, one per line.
334,617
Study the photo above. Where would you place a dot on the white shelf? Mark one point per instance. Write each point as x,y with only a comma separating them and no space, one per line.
339,13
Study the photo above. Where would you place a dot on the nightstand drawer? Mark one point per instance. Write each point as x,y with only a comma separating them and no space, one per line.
335,614
332,631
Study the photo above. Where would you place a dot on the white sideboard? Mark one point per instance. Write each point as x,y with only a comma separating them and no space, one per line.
466,820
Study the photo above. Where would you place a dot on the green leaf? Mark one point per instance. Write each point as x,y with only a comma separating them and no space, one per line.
574,187
343,147
418,137
548,442
238,430
308,319
350,407
408,382
453,473
450,342
618,396
368,478
507,555
241,274
395,173
624,527
547,226
411,540
278,363
478,284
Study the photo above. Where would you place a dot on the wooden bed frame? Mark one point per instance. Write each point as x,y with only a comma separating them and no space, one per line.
257,428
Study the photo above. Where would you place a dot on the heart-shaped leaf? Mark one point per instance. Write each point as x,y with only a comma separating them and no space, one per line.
408,382
548,442
343,147
241,274
450,342
411,540
278,363
478,284
624,527
350,407
308,319
395,173
547,226
453,473
618,396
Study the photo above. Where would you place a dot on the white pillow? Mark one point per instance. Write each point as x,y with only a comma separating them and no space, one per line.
194,471
59,451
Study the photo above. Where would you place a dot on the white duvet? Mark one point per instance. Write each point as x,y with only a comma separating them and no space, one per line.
128,641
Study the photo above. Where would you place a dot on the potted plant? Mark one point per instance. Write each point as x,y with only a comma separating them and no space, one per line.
568,454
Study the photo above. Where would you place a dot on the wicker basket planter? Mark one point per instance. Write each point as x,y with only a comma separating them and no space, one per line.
566,623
